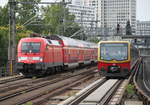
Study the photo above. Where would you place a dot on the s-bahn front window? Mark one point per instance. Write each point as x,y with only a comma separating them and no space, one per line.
30,47
114,51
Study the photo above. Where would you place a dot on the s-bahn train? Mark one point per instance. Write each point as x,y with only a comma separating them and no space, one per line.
115,58
39,56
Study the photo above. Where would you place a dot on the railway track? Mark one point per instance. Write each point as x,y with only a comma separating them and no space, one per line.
4,80
40,92
36,89
21,81
98,93
142,81
67,92
27,82
102,92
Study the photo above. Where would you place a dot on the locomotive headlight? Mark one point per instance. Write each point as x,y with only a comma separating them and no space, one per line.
41,59
21,58
37,59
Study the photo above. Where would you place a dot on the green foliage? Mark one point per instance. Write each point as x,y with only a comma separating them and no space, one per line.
94,39
69,29
56,20
21,32
34,77
130,89
53,17
4,17
59,20
3,45
27,13
28,103
81,36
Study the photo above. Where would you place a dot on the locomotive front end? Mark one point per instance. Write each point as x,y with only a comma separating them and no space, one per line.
114,59
30,56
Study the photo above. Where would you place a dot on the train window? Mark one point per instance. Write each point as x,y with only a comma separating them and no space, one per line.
55,42
114,51
78,52
69,52
30,47
48,41
65,52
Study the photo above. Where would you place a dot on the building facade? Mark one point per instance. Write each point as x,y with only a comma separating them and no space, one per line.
85,2
114,12
143,28
77,2
92,3
84,15
110,13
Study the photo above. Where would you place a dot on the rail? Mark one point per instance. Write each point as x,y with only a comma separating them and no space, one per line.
140,82
112,97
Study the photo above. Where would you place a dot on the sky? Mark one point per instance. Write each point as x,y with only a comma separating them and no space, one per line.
143,8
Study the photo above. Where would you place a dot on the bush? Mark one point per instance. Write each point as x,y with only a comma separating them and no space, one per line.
4,41
130,89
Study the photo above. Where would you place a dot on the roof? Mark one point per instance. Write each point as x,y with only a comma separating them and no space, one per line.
73,42
114,42
33,39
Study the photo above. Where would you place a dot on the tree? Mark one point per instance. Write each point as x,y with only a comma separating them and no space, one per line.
4,32
27,13
69,29
4,21
59,20
4,17
3,45
128,28
21,32
94,39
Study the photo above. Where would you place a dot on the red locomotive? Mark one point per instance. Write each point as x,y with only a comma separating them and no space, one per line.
39,56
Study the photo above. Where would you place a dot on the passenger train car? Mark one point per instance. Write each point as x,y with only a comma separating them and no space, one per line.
115,58
39,56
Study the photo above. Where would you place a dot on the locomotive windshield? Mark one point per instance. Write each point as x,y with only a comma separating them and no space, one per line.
30,47
114,51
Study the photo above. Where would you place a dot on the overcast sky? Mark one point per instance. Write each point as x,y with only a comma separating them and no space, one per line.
143,8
